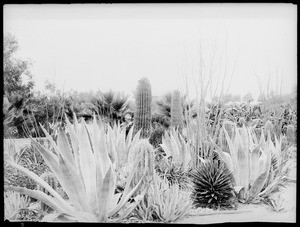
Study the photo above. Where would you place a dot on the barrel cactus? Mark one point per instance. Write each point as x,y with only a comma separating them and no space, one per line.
145,149
142,114
176,110
51,180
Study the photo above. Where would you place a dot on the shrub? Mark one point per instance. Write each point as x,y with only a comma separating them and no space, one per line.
212,186
156,137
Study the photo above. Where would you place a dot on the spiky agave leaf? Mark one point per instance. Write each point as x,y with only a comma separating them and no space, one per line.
212,187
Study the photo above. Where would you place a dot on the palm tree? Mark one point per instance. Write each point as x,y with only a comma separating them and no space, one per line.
111,105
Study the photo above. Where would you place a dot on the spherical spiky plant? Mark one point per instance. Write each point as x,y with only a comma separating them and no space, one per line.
212,187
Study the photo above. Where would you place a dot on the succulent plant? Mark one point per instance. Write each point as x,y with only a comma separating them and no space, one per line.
87,175
269,126
212,185
146,166
290,133
51,180
176,110
142,114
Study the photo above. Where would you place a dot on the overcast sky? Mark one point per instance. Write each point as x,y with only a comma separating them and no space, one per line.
91,47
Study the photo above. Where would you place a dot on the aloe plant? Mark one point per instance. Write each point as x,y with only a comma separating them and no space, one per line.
85,172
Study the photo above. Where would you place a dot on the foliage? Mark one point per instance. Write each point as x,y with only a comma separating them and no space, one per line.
163,203
177,148
29,158
52,182
156,137
14,69
121,145
212,185
86,174
159,120
174,173
250,160
13,204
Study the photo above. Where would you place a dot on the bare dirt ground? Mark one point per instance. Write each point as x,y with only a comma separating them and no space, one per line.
255,212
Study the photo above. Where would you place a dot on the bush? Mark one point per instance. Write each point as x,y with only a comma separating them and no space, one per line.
156,137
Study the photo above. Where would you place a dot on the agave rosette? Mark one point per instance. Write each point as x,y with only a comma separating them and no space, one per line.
174,145
86,173
120,144
248,160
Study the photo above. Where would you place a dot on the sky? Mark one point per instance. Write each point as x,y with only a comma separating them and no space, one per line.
87,47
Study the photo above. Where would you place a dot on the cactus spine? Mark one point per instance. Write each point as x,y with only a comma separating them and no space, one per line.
142,114
176,110
51,180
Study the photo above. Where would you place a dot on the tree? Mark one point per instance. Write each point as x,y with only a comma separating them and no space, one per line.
14,69
248,97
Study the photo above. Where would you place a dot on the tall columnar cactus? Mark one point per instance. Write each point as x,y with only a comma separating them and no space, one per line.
290,133
176,110
145,149
142,114
51,180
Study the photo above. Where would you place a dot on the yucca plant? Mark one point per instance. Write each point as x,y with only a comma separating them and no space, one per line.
86,174
213,186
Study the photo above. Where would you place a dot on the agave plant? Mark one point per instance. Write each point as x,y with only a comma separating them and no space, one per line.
86,173
249,162
120,144
176,147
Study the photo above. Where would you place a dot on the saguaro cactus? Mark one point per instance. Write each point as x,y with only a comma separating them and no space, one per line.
142,114
51,180
176,110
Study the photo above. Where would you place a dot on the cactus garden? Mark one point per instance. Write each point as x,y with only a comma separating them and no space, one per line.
115,157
